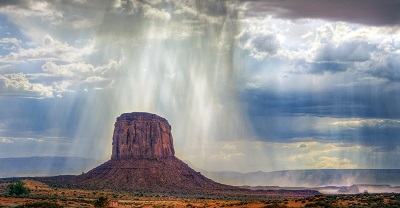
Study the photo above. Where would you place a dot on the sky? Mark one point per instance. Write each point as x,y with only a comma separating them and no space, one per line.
246,85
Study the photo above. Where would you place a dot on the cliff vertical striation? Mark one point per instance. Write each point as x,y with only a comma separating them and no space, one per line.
142,136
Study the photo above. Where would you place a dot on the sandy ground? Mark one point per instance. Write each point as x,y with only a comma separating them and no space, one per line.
83,198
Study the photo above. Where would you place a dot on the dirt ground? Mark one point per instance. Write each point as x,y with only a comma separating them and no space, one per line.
83,198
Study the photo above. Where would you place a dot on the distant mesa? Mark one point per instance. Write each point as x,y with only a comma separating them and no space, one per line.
349,189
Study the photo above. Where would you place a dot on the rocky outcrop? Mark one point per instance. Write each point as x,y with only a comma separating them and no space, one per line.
142,136
349,189
143,160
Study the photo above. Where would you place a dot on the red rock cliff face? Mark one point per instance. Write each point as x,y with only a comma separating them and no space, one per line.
142,136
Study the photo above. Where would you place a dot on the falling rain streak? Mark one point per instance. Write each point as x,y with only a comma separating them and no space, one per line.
245,85
183,72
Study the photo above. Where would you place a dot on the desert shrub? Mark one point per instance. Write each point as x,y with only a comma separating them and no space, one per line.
102,201
243,202
275,206
319,204
17,188
41,205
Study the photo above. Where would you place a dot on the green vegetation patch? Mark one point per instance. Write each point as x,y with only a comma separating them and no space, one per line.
41,205
18,188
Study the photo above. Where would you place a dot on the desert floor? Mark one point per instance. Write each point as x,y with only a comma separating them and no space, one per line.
84,198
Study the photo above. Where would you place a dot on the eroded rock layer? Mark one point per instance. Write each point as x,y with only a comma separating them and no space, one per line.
142,136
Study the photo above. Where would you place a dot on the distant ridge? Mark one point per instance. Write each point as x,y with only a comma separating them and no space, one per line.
45,166
308,178
62,165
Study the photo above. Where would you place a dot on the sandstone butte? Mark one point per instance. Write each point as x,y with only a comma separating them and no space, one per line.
143,160
142,136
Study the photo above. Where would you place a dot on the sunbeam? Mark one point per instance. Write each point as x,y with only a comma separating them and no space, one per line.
246,85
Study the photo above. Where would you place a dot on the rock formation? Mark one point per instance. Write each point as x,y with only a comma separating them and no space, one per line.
142,135
349,189
143,161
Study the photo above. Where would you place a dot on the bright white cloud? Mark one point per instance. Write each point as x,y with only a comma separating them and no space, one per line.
315,47
49,50
62,86
68,70
229,147
286,52
370,123
227,156
324,162
10,40
94,79
269,156
77,76
320,56
157,14
18,85
10,43
6,140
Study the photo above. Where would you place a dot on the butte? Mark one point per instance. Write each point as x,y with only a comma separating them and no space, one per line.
143,160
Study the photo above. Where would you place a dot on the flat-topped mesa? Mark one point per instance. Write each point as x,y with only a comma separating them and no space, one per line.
142,136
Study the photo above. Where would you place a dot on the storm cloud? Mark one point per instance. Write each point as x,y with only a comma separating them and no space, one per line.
368,12
312,83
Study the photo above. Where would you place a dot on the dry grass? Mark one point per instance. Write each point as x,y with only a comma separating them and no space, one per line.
41,192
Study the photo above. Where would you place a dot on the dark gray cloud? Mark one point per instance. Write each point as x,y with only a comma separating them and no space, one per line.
303,66
353,101
259,44
178,55
383,134
388,68
354,51
286,117
12,2
302,146
369,12
39,117
268,44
